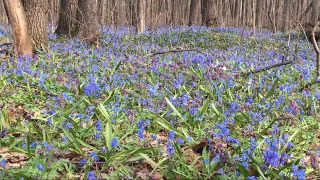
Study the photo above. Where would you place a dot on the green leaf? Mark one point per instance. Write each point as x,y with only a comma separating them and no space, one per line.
147,158
73,140
245,173
108,135
175,110
159,164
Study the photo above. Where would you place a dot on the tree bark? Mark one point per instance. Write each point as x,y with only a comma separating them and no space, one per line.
211,19
67,17
315,12
194,8
141,16
258,14
285,16
87,25
204,11
17,18
37,17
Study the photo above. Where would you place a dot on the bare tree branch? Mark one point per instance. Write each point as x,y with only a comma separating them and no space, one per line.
173,51
265,69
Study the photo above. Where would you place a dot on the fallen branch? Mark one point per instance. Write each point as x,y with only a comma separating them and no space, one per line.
264,69
4,51
308,85
172,51
5,44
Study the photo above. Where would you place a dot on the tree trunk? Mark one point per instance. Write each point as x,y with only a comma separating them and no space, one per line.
37,17
132,15
211,19
194,8
67,17
204,11
315,12
141,16
103,11
258,14
87,28
17,18
285,16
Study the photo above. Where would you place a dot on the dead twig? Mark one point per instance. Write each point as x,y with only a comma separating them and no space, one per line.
308,85
265,68
5,44
315,46
173,51
317,50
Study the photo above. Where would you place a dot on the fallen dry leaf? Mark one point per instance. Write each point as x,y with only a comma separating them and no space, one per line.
156,175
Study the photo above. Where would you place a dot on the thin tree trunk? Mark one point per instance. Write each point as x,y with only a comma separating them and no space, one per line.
204,11
37,17
87,28
258,13
194,8
211,19
141,16
67,17
17,18
315,12
285,16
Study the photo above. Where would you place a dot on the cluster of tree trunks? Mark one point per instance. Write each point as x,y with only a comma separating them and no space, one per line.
81,18
274,14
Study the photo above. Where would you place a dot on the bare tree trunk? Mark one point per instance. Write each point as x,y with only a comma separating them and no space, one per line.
315,12
141,16
204,11
258,13
103,11
17,18
37,17
285,16
87,28
132,13
211,19
67,17
253,15
194,8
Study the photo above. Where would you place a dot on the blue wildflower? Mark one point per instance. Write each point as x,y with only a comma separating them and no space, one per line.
94,156
49,121
92,175
40,167
171,135
206,161
104,150
154,137
82,162
99,125
272,158
251,178
3,163
180,141
114,143
170,149
98,135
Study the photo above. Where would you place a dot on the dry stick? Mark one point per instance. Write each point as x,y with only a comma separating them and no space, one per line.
316,48
302,28
5,44
5,51
173,51
265,68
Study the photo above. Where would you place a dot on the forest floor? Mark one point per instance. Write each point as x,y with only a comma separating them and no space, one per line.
176,103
